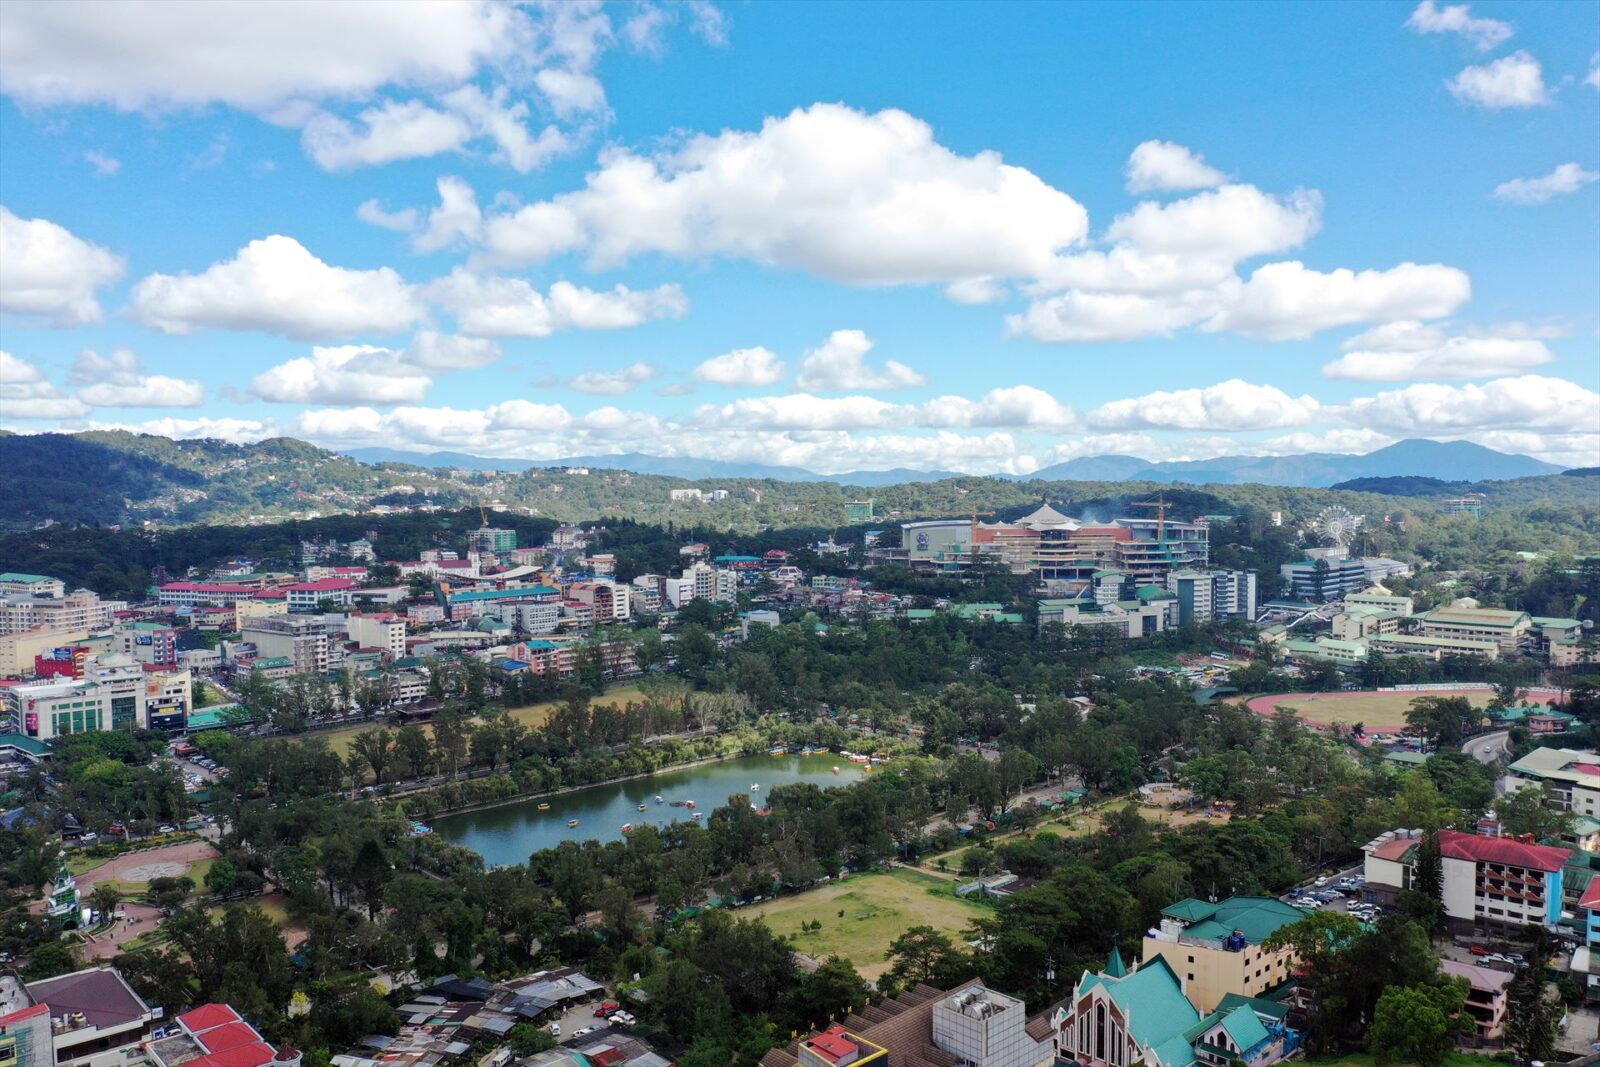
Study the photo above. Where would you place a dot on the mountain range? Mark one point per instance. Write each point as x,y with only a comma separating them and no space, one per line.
1456,461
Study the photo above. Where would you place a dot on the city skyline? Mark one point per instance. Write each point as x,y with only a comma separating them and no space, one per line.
936,236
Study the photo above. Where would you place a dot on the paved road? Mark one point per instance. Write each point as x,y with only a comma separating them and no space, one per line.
1497,743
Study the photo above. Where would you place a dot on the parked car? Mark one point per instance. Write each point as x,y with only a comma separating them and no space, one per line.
1478,950
607,1008
166,828
555,1029
1321,881
622,1018
586,1031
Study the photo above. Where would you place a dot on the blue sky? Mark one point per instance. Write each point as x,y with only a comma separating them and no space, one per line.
981,237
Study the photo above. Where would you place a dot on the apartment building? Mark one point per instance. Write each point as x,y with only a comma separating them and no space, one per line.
608,601
1569,776
1206,596
385,632
1215,948
1487,880
89,1018
81,610
300,639
153,645
114,693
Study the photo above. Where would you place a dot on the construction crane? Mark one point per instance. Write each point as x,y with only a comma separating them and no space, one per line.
1160,505
482,511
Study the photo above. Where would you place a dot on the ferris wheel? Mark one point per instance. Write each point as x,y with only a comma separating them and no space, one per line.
1336,525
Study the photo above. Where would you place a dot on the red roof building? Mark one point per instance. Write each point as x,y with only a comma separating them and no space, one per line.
1502,850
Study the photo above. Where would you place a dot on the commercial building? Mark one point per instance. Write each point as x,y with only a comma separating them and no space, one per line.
1216,948
312,596
115,693
473,603
19,650
13,583
89,1018
1122,618
1570,778
1205,596
214,1035
81,610
151,644
608,601
188,594
971,1025
301,640
385,632
1487,880
1323,580
1122,1018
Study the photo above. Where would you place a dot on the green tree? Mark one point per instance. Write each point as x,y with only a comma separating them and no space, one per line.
1418,1024
1532,1015
48,960
1424,901
222,877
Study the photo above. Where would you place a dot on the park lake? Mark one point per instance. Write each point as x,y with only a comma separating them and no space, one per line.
509,833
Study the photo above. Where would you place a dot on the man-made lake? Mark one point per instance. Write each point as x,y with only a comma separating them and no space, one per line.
510,833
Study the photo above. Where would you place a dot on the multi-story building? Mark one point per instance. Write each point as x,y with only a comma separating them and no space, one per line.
858,511
1205,596
13,583
971,1025
647,594
386,632
311,596
1468,504
115,693
473,603
1466,621
1143,1018
1323,580
532,616
712,583
89,1018
188,594
608,601
1487,880
1122,618
1217,948
80,610
1488,999
245,610
491,541
19,650
300,639
1569,777
152,644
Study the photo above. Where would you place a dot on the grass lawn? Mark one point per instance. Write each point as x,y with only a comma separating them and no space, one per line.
529,715
198,871
78,863
1384,712
877,908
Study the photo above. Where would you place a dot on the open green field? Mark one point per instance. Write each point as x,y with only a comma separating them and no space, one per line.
877,908
1383,712
529,715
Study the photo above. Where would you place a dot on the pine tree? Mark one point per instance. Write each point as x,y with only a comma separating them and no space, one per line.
1532,1016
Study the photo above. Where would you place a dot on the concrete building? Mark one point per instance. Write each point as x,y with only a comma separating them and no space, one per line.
188,594
80,610
300,639
972,1025
1569,776
311,596
18,650
491,541
1216,948
13,583
1122,1018
1206,596
386,632
1322,580
1495,881
532,616
214,1035
1464,620
151,644
89,1018
1487,999
115,693
608,601
1469,504
1123,618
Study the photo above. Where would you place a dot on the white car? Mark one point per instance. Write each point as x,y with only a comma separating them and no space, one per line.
555,1029
586,1031
622,1018
1321,881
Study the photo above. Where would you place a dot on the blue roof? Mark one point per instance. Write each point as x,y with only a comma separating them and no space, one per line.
540,646
737,559
1158,1013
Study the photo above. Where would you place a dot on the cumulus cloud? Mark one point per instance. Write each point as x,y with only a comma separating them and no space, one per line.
345,374
742,367
1514,81
105,165
25,393
1283,301
118,380
709,22
613,382
1230,405
1227,224
1484,34
51,274
237,431
840,363
570,92
496,306
1159,166
383,134
1407,351
494,116
898,207
1527,402
456,219
1566,179
372,213
430,350
275,285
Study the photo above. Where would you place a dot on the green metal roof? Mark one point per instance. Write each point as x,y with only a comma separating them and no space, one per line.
1190,910
1558,624
30,745
1115,968
1244,1028
1153,592
1270,1008
16,576
1258,918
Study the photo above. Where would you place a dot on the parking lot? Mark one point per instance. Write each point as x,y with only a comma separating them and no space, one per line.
1339,891
577,1018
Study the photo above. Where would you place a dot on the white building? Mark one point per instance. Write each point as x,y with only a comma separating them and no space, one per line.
14,584
90,1018
1205,596
1487,880
80,610
1570,777
115,693
302,640
386,632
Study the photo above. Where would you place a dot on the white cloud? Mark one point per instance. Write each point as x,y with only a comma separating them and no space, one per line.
1485,34
570,92
708,22
645,31
1081,315
430,350
1157,166
502,122
977,291
389,132
25,393
1567,449
839,363
496,306
105,165
1289,300
372,213
1230,405
275,285
47,272
456,219
346,374
1566,179
118,381
866,199
1017,406
1227,224
742,367
1514,81
1407,351
613,382
237,431
251,54
1013,407
1528,402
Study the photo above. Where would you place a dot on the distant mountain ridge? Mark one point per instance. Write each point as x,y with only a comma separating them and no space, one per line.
1455,461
